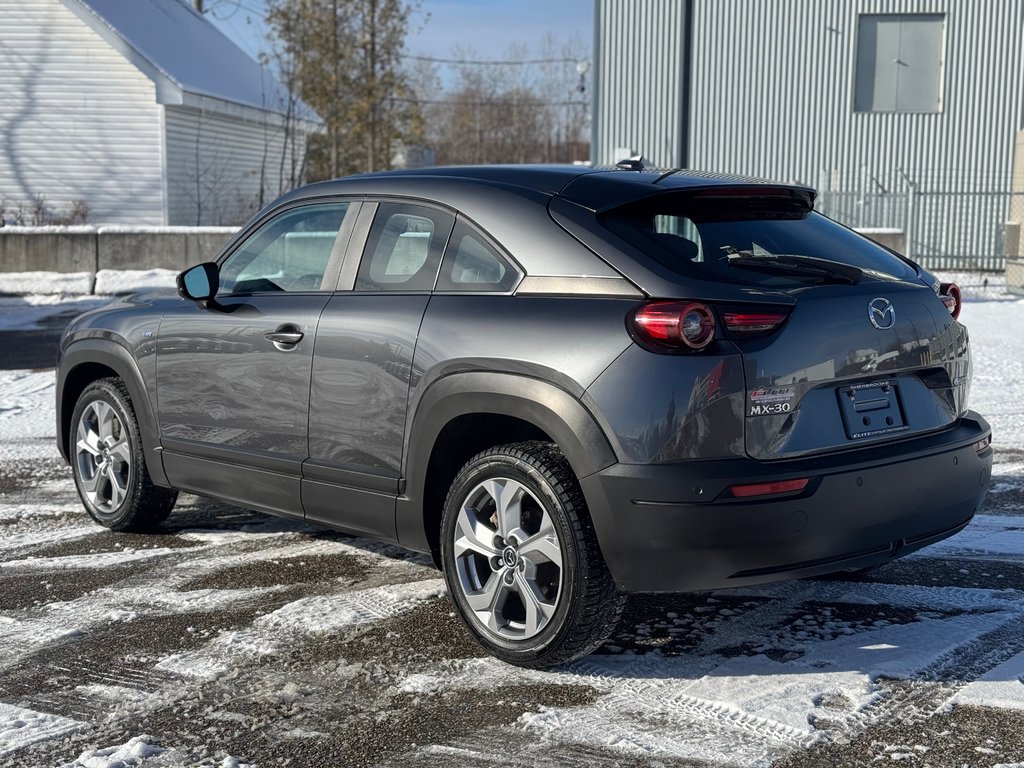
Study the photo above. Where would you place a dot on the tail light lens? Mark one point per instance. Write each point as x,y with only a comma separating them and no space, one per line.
690,326
750,323
674,326
949,294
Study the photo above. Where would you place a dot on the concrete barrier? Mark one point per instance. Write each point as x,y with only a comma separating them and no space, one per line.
47,249
91,249
894,239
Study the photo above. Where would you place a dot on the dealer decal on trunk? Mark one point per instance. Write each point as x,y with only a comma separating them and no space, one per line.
766,401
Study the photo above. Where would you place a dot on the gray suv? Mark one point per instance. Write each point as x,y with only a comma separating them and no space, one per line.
565,384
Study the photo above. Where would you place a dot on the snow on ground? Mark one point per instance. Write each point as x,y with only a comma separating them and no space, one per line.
28,427
29,312
21,727
232,633
104,282
114,281
46,283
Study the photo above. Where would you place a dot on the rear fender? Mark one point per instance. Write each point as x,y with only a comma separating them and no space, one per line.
559,415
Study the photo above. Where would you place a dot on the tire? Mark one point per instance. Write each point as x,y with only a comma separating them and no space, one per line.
544,547
109,464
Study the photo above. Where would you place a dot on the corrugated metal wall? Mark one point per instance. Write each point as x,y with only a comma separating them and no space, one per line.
77,121
772,95
639,79
773,90
215,165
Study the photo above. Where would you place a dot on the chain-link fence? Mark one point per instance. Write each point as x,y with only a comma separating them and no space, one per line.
945,230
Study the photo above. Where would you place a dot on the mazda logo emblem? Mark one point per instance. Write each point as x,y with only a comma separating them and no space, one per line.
881,313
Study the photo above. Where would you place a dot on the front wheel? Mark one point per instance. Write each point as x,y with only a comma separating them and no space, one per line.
108,462
521,558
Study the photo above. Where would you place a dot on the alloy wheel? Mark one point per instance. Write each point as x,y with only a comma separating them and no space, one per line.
103,457
508,559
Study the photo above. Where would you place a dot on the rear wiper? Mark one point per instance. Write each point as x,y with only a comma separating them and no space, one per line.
793,264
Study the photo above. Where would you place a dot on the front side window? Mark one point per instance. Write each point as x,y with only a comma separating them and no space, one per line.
404,248
899,62
472,264
289,253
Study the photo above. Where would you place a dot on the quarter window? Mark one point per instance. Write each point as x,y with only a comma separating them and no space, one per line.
404,248
288,253
899,63
471,264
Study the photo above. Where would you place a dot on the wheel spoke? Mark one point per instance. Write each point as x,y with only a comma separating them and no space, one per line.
104,420
117,491
537,611
542,545
508,496
90,484
486,602
473,535
88,440
122,451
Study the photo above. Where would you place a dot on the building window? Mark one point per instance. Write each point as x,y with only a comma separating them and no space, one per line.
899,63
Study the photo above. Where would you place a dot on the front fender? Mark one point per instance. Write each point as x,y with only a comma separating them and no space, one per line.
78,363
558,414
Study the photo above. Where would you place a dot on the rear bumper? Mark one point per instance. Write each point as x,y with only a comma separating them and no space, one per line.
669,528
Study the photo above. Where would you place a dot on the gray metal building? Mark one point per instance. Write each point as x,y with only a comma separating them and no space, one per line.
903,113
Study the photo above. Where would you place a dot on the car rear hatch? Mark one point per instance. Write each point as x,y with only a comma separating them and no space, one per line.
852,365
843,343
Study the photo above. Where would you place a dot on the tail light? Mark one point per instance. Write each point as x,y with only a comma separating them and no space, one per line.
949,294
690,326
749,323
667,326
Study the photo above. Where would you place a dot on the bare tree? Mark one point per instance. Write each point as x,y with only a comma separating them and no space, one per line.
347,66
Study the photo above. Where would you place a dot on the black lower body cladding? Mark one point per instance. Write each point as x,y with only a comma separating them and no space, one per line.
669,528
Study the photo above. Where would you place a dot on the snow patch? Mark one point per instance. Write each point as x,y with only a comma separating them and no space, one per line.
1002,686
115,281
327,613
98,560
28,427
135,752
46,283
20,728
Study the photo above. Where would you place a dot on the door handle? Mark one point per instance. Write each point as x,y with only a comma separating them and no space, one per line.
285,337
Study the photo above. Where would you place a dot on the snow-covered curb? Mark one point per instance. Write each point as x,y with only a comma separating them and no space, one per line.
106,282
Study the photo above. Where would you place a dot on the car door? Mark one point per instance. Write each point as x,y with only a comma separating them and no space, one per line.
233,375
365,344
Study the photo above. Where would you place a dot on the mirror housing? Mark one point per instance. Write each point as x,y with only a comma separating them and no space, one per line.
199,283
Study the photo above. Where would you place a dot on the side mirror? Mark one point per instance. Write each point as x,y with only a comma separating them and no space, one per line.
199,283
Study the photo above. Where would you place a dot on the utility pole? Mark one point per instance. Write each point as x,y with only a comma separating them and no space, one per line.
199,5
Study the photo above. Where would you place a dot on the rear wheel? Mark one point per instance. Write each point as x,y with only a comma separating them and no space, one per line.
108,462
521,559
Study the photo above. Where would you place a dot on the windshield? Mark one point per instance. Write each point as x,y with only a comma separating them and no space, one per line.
702,239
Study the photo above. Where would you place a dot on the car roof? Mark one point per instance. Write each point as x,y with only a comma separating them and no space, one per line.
594,188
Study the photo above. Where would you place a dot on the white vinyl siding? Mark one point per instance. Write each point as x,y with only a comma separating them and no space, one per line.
216,165
77,120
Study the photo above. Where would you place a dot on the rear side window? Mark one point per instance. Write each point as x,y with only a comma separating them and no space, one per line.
695,238
472,264
404,248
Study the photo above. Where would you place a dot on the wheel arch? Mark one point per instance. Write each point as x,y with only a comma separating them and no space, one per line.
463,414
85,361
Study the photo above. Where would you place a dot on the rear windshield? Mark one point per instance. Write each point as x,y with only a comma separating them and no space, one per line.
695,238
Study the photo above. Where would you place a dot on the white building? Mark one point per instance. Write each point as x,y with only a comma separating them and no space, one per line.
142,110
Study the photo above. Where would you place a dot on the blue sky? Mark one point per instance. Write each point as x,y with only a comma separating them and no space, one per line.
487,27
